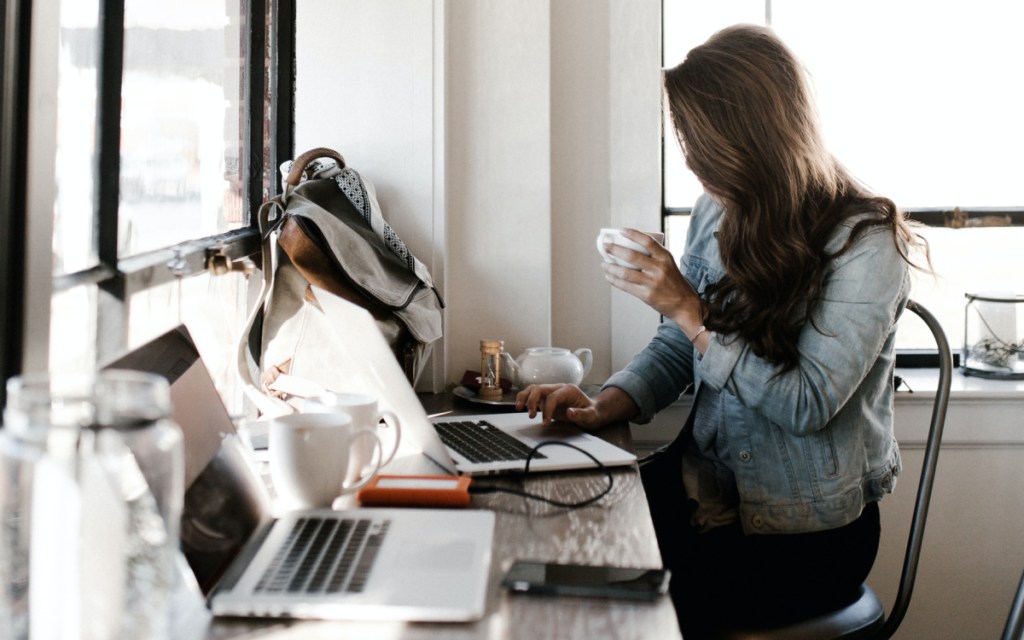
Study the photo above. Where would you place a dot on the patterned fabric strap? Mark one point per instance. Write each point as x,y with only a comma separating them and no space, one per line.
351,184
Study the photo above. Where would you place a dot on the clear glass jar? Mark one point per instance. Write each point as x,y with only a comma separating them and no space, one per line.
21,451
994,336
105,500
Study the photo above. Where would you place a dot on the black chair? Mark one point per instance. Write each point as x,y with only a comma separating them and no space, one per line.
1015,621
865,617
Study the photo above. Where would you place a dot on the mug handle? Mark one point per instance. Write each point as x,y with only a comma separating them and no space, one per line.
391,420
362,482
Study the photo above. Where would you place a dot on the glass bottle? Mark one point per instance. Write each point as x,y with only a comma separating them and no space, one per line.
21,450
137,444
106,499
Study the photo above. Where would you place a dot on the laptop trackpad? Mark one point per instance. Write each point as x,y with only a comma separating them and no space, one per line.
439,556
556,431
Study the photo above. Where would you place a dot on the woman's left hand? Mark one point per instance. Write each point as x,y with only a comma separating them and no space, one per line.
658,282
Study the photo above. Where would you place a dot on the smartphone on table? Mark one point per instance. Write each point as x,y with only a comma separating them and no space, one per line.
633,583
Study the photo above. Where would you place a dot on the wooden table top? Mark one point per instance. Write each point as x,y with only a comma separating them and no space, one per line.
616,530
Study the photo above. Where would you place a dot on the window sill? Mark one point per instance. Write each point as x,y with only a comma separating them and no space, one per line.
961,387
982,413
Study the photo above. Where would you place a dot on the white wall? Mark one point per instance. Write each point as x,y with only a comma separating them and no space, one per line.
635,167
498,110
502,135
365,86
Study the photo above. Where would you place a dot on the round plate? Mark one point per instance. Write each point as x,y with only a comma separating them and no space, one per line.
507,399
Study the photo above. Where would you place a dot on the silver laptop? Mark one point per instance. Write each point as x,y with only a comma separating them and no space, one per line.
370,367
363,564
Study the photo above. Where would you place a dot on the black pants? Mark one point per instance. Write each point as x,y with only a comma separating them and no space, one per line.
726,576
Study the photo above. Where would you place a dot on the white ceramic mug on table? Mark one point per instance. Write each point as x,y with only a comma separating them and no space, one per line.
365,415
312,456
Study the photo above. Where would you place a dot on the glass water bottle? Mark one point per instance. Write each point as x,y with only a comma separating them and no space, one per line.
106,500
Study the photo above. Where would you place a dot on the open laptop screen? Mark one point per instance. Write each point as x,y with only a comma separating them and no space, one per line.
225,499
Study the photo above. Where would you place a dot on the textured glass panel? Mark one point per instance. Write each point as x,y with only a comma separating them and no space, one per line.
181,122
213,307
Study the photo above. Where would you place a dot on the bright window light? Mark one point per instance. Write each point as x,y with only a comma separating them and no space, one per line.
920,101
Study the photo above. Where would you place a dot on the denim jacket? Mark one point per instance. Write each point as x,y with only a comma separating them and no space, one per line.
811,446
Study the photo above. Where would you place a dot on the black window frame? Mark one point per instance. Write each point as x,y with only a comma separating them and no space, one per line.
15,24
268,79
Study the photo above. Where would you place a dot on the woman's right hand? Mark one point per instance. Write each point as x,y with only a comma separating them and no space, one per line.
562,402
657,282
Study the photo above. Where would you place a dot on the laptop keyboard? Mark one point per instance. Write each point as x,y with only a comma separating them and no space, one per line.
482,441
325,555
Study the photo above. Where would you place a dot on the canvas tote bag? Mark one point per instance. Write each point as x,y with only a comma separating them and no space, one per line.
326,229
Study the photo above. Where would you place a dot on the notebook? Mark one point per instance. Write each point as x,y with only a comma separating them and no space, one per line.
371,368
362,564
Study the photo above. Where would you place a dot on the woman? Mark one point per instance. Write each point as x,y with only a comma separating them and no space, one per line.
782,314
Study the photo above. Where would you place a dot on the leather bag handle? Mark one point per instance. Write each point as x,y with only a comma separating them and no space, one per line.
300,163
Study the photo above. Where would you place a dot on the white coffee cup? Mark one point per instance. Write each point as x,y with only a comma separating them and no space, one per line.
614,236
365,415
311,455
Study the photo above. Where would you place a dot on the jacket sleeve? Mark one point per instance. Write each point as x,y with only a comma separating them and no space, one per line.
658,374
862,298
664,369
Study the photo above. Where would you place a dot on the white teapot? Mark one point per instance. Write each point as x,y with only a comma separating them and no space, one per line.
543,365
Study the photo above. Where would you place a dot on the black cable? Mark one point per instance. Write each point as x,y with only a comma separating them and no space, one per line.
479,489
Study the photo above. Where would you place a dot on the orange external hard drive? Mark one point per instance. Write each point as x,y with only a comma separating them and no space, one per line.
416,491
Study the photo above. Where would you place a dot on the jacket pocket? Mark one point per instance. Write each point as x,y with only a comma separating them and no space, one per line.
699,273
828,462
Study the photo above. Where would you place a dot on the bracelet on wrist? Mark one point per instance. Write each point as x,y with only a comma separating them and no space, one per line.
698,334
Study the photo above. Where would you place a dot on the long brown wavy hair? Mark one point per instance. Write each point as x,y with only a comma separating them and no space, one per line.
745,119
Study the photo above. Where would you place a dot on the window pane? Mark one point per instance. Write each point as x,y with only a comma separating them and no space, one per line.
74,246
73,329
921,100
181,123
675,233
687,24
213,307
923,121
966,261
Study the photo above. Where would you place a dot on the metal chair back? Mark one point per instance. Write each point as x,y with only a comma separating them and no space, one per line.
924,490
1015,621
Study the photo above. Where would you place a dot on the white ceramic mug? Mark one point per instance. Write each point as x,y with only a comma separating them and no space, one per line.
312,454
365,415
614,236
